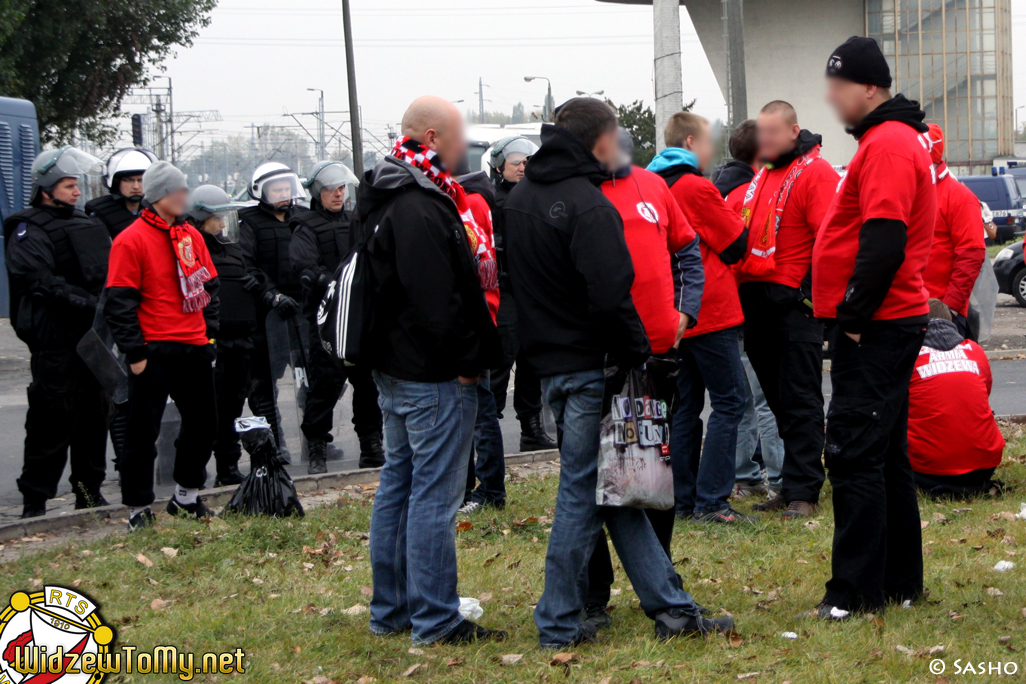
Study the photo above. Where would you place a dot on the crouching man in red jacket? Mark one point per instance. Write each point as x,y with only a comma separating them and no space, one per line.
162,308
953,440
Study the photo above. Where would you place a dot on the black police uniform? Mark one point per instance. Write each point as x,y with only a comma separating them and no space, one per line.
57,267
265,247
232,376
320,240
112,211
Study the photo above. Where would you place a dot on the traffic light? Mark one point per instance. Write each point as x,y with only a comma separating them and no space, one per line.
137,130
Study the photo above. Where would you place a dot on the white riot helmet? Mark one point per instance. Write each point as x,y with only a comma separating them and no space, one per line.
211,202
52,166
516,150
130,161
274,183
331,175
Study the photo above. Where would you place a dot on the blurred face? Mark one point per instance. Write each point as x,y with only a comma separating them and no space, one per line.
514,167
278,193
66,191
607,149
702,145
333,200
448,141
174,204
131,186
213,225
776,135
850,101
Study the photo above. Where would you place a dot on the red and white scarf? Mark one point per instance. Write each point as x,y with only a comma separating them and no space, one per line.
482,248
762,240
191,273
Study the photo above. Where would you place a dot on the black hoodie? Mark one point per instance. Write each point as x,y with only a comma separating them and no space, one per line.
732,175
431,321
569,265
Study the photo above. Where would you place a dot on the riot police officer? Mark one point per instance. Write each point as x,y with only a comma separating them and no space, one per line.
321,238
119,208
213,213
57,265
265,238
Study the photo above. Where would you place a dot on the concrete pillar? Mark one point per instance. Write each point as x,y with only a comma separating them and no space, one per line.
669,96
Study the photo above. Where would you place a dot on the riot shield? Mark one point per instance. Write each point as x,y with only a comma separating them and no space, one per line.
984,299
287,341
100,354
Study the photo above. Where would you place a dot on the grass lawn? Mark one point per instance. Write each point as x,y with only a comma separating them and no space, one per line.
292,594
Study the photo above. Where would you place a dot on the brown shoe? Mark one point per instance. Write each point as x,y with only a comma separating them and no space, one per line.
777,503
799,509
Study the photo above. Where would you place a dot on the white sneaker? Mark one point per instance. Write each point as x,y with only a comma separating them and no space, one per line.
469,508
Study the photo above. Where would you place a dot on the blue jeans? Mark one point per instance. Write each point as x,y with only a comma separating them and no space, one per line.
703,476
576,401
490,468
758,426
428,431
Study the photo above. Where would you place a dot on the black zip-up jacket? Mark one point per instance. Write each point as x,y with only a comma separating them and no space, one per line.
321,239
431,320
732,175
569,265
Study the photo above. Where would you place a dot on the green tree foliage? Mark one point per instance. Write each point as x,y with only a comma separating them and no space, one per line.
639,120
76,59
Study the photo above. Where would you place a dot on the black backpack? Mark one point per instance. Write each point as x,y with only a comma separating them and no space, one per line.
345,316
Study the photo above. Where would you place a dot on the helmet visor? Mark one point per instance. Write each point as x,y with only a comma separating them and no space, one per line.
282,188
223,224
519,151
74,162
333,177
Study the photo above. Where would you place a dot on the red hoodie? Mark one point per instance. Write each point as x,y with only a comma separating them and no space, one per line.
654,228
718,227
958,248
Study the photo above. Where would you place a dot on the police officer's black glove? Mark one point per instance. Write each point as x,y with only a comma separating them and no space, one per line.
323,280
285,306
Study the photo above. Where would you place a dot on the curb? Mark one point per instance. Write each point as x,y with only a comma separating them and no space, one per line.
1005,354
79,521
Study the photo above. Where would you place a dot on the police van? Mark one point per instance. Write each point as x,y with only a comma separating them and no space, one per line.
1002,194
19,145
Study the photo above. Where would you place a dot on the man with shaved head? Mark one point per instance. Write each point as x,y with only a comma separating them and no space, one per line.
433,336
783,207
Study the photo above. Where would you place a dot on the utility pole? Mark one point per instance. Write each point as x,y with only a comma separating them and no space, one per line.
734,50
171,118
322,148
158,110
669,95
354,104
480,100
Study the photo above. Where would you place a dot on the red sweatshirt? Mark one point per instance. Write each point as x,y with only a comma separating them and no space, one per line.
958,248
142,258
654,228
484,242
718,227
736,198
951,427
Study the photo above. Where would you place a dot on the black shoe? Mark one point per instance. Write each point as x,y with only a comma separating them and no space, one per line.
674,623
372,454
197,510
142,520
284,455
533,436
34,508
586,634
825,611
88,498
467,632
597,616
335,453
317,448
727,516
228,476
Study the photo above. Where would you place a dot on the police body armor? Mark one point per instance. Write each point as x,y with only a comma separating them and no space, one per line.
238,305
272,239
81,250
333,239
111,210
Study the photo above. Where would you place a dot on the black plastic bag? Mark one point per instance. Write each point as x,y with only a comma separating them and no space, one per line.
268,489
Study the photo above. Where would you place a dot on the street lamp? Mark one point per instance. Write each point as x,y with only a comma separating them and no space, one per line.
323,152
597,93
1017,119
549,102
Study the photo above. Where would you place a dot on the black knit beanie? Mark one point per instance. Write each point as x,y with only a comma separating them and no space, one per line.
860,60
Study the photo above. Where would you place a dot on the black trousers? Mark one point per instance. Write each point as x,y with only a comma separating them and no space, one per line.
600,567
67,412
327,383
784,344
263,391
232,378
527,399
185,373
878,550
967,485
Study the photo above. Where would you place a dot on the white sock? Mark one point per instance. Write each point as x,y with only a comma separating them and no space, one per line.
185,495
132,512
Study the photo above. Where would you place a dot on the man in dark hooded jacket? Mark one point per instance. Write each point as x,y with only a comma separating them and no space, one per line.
733,178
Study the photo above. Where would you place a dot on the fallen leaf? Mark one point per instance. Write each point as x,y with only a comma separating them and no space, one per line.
452,662
484,597
940,517
367,591
411,669
994,591
511,658
416,651
75,584
734,641
358,609
1004,639
366,680
563,659
257,580
464,526
606,680
924,524
144,560
748,675
157,604
169,552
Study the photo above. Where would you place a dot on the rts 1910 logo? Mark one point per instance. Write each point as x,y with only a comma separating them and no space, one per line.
54,635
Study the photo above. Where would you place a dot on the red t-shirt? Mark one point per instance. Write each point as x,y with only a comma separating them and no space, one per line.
654,228
142,257
957,229
806,206
736,198
718,227
890,177
483,242
951,427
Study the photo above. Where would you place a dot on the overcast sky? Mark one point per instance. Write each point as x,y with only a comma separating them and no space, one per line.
256,59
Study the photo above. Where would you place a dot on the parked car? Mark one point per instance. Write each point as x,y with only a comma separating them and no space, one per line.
1002,195
1010,271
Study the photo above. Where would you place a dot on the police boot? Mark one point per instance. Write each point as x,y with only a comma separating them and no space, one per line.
533,436
228,475
372,455
318,456
86,497
34,508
